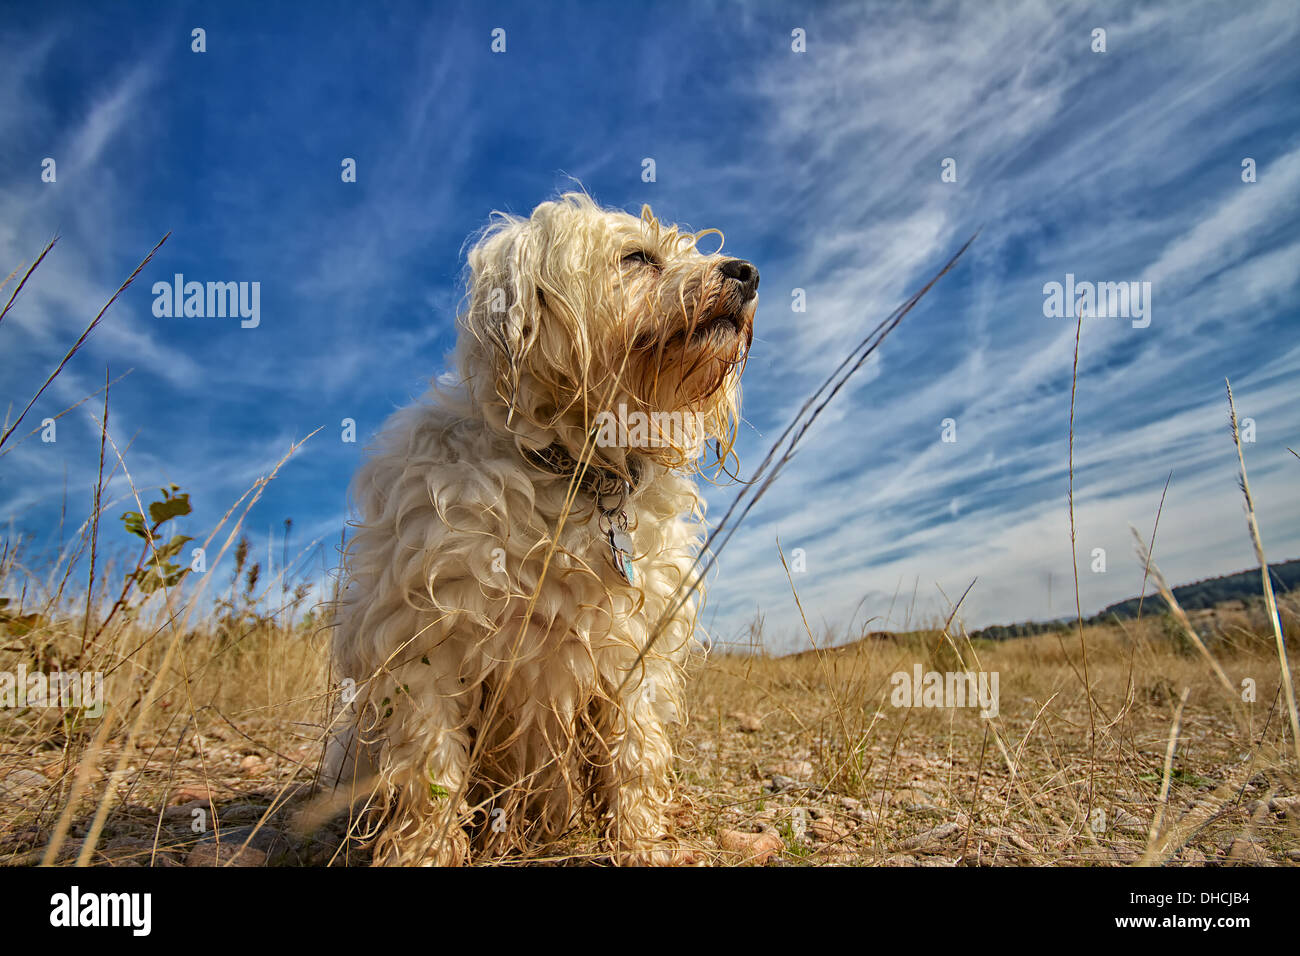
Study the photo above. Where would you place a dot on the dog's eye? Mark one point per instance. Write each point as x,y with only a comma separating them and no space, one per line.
640,257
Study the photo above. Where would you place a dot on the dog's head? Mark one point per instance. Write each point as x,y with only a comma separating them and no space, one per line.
579,313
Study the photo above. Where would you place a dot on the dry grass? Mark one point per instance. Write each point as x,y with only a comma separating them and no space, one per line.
193,702
871,783
234,726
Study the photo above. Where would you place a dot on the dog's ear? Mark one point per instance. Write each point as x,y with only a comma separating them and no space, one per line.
505,303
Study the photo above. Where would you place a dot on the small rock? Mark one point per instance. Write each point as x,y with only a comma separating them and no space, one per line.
1247,852
850,803
779,784
929,808
1224,841
824,831
131,851
1007,835
185,812
69,851
932,837
18,840
909,795
188,794
225,854
796,769
747,723
278,847
756,848
799,824
251,763
241,813
1127,822
18,782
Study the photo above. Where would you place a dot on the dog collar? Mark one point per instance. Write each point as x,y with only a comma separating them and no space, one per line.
600,483
604,486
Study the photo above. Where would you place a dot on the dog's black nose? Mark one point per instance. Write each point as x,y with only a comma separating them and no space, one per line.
743,272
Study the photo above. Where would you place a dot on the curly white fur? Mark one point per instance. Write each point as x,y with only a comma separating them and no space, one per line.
507,677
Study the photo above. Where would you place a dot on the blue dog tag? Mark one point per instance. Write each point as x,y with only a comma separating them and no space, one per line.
620,553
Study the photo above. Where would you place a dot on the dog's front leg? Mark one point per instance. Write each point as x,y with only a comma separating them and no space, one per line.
425,767
636,784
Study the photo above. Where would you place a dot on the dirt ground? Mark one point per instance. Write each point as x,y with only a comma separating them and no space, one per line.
807,760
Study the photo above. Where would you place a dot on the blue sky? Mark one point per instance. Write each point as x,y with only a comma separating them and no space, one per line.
822,167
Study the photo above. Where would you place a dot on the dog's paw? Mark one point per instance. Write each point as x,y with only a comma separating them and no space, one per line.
665,852
451,850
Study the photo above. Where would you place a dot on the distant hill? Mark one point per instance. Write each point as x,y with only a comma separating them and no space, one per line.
1212,591
1200,595
1240,586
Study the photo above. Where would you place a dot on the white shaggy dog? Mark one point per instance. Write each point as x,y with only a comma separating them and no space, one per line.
517,613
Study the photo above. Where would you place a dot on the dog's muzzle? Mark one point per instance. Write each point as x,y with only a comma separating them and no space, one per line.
734,310
744,274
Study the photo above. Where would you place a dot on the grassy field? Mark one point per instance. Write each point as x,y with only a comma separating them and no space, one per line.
210,741
1050,780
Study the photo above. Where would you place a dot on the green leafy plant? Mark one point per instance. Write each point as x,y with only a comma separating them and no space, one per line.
155,568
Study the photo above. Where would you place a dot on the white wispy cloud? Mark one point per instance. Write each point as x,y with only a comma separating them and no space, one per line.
872,497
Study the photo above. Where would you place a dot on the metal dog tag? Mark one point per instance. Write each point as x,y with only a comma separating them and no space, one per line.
620,553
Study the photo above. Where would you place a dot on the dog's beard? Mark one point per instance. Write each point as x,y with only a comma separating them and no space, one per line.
688,354
690,368
686,362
